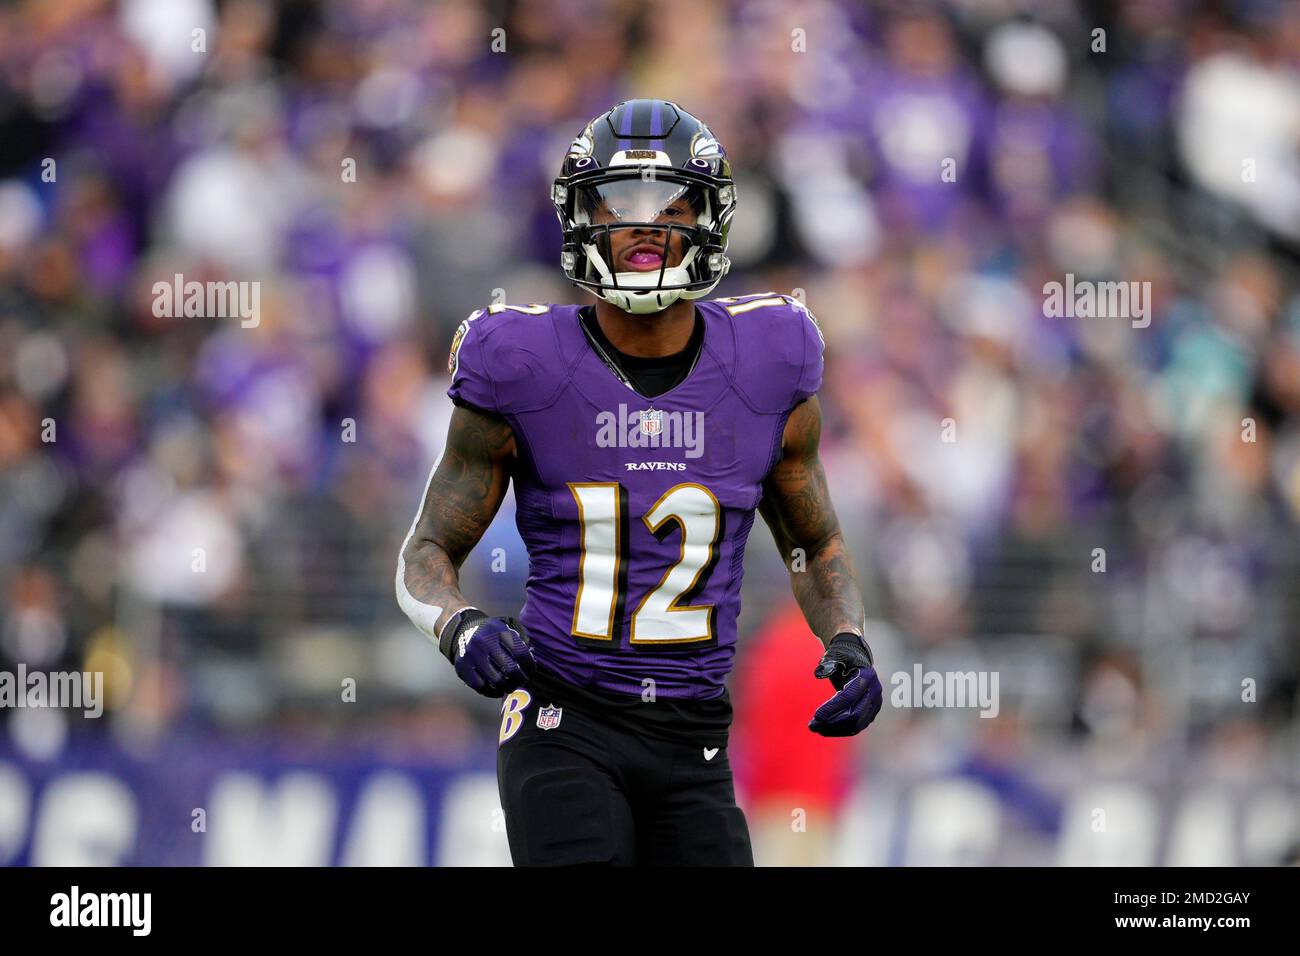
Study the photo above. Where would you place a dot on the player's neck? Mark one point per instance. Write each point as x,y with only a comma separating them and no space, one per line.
648,336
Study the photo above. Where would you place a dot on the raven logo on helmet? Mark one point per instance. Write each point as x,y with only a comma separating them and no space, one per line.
704,146
582,145
626,167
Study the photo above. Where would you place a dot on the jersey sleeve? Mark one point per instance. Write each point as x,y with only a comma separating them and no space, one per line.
814,345
505,359
471,382
780,351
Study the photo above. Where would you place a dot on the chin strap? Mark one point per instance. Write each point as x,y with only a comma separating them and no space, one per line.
642,301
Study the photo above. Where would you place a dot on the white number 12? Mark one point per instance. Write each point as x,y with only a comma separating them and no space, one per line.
657,619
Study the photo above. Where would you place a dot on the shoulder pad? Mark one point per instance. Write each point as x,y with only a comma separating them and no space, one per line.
779,361
504,359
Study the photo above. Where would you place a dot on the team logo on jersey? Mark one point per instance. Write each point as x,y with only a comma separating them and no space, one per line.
652,422
512,714
548,718
454,358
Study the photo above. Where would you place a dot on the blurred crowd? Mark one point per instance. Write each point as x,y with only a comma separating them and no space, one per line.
210,512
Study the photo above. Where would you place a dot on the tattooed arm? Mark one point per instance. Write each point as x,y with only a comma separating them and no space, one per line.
463,495
797,507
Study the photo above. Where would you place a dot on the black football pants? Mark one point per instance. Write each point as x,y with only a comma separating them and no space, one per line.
577,790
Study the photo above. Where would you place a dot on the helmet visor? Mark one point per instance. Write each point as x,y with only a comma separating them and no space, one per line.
642,201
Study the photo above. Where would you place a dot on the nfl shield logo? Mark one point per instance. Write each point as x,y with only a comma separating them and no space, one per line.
548,718
652,422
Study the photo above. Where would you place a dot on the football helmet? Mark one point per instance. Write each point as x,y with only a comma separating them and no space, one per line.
650,166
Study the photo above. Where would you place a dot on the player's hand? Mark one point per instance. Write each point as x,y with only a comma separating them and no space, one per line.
858,694
490,654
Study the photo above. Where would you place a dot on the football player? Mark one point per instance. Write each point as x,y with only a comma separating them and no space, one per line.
642,433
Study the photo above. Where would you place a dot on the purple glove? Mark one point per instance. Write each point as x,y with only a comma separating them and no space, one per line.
848,664
490,654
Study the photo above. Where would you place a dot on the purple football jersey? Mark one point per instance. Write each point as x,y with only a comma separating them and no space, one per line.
635,511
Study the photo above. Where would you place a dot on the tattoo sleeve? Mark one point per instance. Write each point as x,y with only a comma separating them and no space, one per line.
463,495
797,507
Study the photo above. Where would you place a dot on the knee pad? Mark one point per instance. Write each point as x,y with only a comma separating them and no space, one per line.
717,836
563,817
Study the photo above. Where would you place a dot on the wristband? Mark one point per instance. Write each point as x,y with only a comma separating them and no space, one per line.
457,623
858,640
